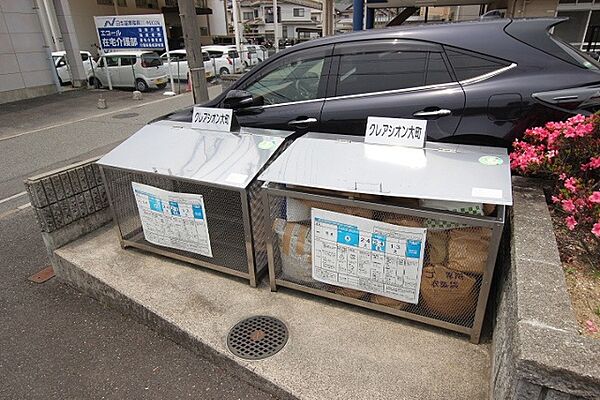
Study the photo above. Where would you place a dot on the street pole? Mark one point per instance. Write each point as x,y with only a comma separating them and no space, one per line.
193,46
276,25
236,27
166,39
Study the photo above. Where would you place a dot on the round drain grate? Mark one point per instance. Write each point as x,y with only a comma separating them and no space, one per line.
257,337
125,115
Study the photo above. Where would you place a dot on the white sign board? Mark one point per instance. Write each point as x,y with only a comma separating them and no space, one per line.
367,255
214,119
396,131
171,219
131,32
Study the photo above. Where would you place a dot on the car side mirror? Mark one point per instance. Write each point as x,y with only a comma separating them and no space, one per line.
240,99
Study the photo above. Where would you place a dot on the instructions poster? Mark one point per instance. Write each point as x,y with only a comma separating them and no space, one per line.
367,255
171,219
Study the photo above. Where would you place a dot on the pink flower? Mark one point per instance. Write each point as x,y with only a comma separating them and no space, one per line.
591,326
562,176
571,222
596,229
594,198
555,199
571,184
593,164
568,205
577,119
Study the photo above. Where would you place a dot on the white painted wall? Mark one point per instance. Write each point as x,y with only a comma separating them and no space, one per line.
25,70
217,18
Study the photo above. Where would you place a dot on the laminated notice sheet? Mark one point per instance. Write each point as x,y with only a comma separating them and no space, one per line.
171,219
367,255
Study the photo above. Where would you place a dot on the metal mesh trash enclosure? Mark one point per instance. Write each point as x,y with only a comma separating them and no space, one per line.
192,194
225,222
459,259
412,232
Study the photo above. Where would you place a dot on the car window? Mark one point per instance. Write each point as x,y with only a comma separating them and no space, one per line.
296,81
205,56
376,72
177,57
112,61
151,60
468,65
215,53
128,60
61,62
233,54
84,57
437,72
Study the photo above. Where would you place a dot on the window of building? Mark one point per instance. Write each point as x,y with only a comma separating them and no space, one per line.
269,14
120,3
146,4
571,31
298,12
296,81
376,72
171,3
470,65
247,15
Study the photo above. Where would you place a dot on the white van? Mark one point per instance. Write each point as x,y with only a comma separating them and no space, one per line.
250,55
180,68
63,70
234,64
137,69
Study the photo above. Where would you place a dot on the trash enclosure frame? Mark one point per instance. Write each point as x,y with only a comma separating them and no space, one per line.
233,209
466,316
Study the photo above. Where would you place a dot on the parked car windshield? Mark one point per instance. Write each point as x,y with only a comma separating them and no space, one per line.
151,60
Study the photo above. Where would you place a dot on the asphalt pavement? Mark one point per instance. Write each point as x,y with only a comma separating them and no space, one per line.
56,343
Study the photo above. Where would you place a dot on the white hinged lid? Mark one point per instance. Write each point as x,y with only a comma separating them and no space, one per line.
440,171
175,149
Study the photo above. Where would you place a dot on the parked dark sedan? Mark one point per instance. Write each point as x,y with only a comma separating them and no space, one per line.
478,82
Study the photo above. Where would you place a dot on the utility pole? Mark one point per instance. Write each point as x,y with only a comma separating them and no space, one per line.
193,47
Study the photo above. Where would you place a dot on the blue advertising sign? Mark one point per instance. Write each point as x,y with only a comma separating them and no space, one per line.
131,32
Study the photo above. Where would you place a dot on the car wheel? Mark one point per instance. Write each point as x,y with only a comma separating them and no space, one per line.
223,71
141,85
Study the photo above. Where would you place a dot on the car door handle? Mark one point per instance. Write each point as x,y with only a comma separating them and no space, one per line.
433,113
306,121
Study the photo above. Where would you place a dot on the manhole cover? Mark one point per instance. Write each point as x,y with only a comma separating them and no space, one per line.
257,337
125,115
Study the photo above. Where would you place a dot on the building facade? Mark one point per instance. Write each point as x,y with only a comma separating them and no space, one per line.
26,69
295,21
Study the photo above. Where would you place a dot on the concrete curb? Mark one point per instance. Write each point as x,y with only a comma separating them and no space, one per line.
538,353
104,293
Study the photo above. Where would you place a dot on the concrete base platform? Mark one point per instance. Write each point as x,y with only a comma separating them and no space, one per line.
334,351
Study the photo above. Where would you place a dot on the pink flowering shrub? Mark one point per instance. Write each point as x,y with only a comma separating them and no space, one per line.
569,153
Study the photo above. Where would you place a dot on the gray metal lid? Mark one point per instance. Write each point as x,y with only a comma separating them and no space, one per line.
441,171
175,149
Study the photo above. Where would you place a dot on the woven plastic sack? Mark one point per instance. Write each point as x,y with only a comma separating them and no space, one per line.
295,249
355,294
388,302
447,293
437,246
468,249
359,212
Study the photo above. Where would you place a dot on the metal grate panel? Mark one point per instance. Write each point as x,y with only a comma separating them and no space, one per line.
257,337
457,256
223,209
